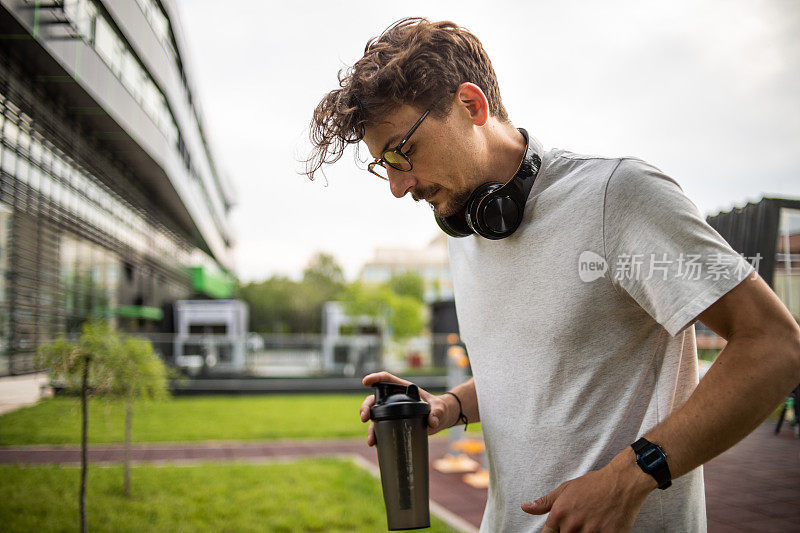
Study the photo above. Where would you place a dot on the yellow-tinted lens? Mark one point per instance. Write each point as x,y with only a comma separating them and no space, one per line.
397,161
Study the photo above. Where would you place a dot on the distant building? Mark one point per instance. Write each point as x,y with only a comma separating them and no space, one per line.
767,233
210,333
110,199
430,262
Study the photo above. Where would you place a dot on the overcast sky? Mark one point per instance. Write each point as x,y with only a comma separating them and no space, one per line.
707,90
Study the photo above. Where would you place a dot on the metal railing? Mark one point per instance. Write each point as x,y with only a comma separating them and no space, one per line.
299,355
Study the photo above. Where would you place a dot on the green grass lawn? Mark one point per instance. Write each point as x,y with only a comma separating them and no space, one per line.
307,495
183,419
57,421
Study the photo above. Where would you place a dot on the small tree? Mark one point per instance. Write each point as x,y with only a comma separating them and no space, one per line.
136,373
81,367
324,272
408,283
402,314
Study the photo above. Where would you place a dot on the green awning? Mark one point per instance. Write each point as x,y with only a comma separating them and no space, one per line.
144,312
215,285
139,311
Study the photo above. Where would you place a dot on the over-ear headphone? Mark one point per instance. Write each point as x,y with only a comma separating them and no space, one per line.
494,210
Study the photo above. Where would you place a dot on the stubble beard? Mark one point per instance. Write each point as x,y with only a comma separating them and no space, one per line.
456,202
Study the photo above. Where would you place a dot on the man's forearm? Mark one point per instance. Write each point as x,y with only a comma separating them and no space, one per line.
745,384
469,403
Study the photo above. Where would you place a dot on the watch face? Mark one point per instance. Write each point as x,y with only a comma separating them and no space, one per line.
652,458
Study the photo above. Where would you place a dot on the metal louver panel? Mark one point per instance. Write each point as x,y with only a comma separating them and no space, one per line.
33,288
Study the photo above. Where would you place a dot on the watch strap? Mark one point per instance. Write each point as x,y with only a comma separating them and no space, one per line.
640,446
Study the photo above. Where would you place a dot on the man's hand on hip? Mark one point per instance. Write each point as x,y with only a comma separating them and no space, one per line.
608,499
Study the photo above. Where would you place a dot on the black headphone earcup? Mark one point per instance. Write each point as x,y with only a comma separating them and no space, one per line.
454,225
471,214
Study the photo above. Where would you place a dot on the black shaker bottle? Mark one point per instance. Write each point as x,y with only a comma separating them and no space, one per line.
401,431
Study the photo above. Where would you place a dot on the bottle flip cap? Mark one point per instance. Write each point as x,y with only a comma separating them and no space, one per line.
393,400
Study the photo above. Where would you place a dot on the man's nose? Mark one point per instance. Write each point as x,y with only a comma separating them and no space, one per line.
400,182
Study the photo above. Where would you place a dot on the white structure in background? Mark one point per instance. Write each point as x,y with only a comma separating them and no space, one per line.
210,334
348,354
430,262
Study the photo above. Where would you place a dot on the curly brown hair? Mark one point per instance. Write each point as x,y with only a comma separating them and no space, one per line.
414,61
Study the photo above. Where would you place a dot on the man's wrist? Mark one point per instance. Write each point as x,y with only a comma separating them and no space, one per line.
632,476
451,410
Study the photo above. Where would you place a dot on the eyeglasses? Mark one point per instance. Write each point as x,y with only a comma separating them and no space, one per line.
395,158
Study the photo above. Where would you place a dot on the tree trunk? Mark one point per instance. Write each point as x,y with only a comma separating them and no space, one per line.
84,441
126,482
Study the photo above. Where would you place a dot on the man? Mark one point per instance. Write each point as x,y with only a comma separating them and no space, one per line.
579,324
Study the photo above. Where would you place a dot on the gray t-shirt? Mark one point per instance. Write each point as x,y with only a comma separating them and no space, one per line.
576,328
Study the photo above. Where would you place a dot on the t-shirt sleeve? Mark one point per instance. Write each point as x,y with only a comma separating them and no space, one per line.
660,250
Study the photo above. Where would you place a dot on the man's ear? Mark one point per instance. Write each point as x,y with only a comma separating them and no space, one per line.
474,102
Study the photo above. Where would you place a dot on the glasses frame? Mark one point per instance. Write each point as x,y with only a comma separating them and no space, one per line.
397,150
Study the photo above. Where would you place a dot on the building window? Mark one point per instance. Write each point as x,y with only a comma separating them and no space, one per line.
787,261
98,32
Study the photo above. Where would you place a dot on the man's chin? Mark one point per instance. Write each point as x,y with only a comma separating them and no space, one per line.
442,209
450,204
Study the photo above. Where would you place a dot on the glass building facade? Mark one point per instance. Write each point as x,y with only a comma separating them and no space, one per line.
110,199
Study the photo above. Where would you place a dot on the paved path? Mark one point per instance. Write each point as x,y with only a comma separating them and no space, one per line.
19,391
755,486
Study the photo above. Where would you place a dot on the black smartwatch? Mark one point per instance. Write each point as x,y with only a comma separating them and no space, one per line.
652,460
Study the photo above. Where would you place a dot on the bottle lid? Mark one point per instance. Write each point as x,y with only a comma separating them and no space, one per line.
393,401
